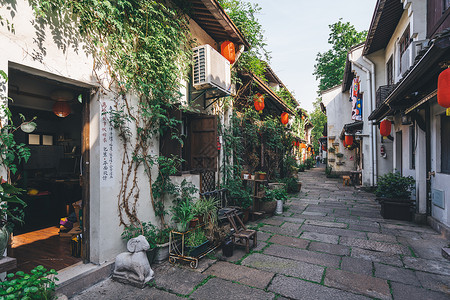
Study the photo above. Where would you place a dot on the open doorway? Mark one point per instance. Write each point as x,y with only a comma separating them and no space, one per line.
52,231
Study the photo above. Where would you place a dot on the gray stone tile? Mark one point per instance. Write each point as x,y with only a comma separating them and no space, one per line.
272,221
375,245
300,289
238,254
329,248
259,246
358,283
291,227
320,237
313,213
113,290
396,274
217,288
280,230
422,249
382,237
364,228
334,231
263,236
357,265
284,266
326,224
289,241
303,255
241,274
293,220
180,281
409,292
383,257
434,282
427,265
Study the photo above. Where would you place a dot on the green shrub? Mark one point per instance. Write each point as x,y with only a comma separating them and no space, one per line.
291,184
40,284
395,186
301,168
275,194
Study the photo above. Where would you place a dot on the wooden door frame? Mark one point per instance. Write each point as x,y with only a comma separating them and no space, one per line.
85,179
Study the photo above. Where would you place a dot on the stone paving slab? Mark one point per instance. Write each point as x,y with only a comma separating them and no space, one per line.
396,274
375,229
113,290
357,265
382,237
176,280
334,231
314,213
427,265
434,282
241,274
279,230
408,227
375,245
299,289
358,283
219,289
289,241
409,292
318,258
326,224
383,257
422,249
291,220
320,237
310,217
259,246
284,266
329,248
274,222
263,236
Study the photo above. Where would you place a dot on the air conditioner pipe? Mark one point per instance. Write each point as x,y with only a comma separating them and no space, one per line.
238,54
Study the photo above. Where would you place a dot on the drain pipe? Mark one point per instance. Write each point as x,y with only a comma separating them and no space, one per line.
374,128
370,85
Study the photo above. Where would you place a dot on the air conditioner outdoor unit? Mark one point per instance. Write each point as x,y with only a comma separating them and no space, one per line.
211,70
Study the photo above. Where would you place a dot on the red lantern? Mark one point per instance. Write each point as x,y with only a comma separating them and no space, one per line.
349,140
61,109
309,149
228,51
443,90
303,146
284,118
385,128
303,117
259,102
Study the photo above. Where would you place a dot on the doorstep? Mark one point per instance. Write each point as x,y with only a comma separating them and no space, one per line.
78,277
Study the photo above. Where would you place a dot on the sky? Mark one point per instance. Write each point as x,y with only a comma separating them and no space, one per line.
296,30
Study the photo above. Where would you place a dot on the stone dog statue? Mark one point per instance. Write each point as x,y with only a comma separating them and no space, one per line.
133,267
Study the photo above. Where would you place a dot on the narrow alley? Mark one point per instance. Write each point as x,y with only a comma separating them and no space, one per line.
331,243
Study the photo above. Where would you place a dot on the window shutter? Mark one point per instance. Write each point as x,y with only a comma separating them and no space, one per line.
203,136
168,146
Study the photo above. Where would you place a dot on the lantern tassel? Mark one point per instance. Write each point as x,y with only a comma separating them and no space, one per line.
447,112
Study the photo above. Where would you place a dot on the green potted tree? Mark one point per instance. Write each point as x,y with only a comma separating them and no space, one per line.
394,194
182,214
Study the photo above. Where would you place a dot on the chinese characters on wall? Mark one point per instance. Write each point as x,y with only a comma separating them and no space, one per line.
107,145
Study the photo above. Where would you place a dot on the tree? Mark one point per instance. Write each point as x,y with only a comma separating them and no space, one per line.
318,119
330,65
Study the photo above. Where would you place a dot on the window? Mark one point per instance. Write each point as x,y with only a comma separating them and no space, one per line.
390,72
412,148
446,5
445,144
40,139
405,40
199,135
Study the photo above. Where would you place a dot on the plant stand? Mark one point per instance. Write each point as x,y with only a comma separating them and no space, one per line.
396,209
179,251
257,193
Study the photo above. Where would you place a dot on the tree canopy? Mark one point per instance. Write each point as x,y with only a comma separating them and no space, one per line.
330,65
318,119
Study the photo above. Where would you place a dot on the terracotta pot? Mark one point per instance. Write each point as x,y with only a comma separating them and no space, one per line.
193,223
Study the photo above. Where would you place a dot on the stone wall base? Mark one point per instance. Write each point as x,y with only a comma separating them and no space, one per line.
439,227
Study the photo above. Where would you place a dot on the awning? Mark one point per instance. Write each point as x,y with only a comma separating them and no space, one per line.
351,128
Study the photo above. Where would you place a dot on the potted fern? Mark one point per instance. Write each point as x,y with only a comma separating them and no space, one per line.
394,195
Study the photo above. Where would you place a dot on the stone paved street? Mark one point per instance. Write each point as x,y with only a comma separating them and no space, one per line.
331,243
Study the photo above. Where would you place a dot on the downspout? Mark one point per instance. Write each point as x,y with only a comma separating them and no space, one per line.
374,129
370,85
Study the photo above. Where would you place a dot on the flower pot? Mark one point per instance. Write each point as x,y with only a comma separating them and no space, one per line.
262,176
268,206
193,223
161,253
397,209
279,209
151,255
197,251
182,227
299,186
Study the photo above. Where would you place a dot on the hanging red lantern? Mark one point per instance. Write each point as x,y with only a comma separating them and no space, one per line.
309,149
443,90
349,140
303,117
385,128
323,148
61,109
303,146
259,102
284,118
227,50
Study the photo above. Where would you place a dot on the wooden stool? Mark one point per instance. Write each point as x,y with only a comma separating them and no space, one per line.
346,180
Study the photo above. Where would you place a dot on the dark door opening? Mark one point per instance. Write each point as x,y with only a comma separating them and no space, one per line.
55,197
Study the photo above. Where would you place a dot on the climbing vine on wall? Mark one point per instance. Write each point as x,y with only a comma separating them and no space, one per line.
143,48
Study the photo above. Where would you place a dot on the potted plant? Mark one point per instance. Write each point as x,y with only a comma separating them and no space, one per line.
339,155
149,231
292,185
301,168
196,243
260,175
269,202
162,245
182,214
394,194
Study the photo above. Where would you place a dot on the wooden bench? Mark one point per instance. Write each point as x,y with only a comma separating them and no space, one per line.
345,180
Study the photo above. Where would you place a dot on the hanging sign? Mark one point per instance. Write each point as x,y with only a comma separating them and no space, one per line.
107,145
356,98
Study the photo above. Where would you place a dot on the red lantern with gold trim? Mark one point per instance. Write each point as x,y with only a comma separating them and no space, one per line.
259,102
303,146
61,109
349,140
284,118
443,90
227,50
385,128
309,149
